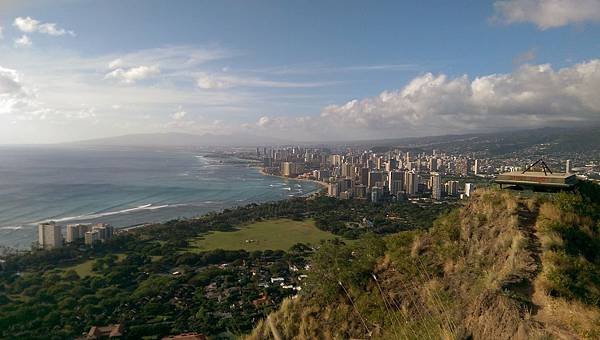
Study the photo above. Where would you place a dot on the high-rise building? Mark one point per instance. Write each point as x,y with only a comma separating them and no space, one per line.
568,166
375,178
345,184
452,188
347,170
464,166
49,235
92,237
323,175
469,188
436,186
376,194
360,191
411,183
267,162
379,163
476,167
433,166
291,169
364,176
391,165
336,160
76,232
333,190
395,182
105,231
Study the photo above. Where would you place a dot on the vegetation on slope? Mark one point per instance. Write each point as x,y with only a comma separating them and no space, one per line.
152,281
503,266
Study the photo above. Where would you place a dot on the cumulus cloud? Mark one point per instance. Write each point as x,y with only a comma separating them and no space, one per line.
13,95
531,96
133,74
115,63
547,14
30,25
23,41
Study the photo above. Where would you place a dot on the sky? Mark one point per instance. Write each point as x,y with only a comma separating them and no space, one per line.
300,70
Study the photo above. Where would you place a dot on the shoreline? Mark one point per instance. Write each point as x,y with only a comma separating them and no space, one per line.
143,224
322,184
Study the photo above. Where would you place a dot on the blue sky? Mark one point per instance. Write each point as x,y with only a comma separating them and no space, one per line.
305,70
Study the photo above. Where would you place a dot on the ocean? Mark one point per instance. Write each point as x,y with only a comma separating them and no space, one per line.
123,187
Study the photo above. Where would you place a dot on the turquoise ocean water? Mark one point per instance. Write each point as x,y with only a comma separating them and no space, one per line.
123,187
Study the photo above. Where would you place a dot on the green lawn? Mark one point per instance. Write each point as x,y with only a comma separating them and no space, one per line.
272,234
84,269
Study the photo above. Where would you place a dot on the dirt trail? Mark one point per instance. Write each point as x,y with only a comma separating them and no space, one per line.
527,224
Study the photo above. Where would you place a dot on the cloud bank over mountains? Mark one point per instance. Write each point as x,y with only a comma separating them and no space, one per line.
531,96
52,93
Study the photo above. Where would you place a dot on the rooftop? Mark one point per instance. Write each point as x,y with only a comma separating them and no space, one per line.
536,174
537,179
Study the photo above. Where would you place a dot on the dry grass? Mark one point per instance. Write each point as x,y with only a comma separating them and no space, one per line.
477,273
565,319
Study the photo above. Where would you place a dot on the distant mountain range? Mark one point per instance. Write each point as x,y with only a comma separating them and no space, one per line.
533,141
182,139
551,140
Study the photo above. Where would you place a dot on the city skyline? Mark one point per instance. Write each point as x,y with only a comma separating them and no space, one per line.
75,70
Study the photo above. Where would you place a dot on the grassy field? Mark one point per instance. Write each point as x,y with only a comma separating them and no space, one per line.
84,269
272,234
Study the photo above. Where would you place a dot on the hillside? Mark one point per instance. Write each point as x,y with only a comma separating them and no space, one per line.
502,266
541,141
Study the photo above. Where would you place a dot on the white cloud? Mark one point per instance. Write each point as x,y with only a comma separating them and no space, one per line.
547,14
115,63
179,114
64,98
264,121
23,41
531,96
176,58
1,33
14,96
133,74
27,24
211,82
30,25
11,90
51,29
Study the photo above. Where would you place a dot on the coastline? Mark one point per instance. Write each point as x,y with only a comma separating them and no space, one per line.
123,221
262,172
322,184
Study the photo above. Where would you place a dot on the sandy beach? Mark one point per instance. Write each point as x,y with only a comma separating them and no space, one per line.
323,184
